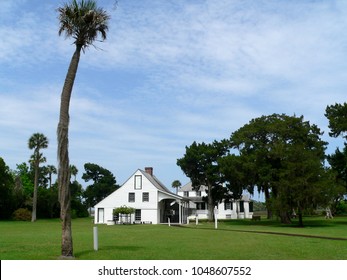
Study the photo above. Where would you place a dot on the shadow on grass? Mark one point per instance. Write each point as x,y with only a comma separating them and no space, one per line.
104,249
294,223
319,223
341,223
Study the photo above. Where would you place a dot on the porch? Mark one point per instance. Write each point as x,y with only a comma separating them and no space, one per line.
173,211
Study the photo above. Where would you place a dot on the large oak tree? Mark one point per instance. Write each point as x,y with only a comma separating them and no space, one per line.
285,157
337,116
104,183
200,164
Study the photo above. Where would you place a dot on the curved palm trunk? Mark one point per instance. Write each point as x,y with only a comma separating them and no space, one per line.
63,156
36,179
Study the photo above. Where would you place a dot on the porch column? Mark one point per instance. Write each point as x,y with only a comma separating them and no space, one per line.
180,211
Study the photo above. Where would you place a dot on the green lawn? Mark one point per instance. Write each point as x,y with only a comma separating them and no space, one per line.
234,239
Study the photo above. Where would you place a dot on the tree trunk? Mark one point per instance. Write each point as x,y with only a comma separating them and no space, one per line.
268,203
63,157
210,204
301,223
285,218
36,180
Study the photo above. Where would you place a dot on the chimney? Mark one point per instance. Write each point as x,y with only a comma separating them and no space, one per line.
149,170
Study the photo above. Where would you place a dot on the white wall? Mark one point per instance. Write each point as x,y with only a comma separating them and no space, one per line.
121,197
222,214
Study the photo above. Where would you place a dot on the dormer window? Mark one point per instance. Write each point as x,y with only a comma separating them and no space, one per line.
138,182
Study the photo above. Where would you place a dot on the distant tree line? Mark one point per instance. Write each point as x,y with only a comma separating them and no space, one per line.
279,155
29,192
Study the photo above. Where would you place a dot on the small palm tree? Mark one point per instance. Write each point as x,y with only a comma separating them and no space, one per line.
51,170
73,171
84,22
37,142
176,184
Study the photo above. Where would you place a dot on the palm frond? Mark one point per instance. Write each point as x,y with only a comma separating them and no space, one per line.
83,21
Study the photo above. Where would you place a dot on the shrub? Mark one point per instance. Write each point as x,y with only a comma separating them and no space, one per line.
123,214
123,210
22,214
341,208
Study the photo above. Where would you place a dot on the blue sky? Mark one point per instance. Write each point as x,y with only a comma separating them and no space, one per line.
169,73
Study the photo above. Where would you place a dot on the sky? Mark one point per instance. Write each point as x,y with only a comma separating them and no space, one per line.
170,73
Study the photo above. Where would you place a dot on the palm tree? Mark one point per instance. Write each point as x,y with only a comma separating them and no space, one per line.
176,184
84,22
37,142
73,171
50,170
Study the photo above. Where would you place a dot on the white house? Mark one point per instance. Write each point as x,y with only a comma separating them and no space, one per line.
152,201
237,209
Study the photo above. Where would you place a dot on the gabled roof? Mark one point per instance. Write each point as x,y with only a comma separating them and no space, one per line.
160,186
155,182
188,187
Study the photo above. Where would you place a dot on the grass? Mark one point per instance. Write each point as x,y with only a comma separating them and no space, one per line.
234,239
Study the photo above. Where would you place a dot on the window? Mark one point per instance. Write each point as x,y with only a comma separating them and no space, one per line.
138,215
186,194
145,197
228,206
201,206
131,197
198,193
138,182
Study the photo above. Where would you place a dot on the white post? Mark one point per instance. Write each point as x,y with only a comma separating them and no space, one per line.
196,219
215,217
180,212
95,234
168,219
